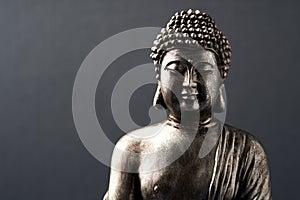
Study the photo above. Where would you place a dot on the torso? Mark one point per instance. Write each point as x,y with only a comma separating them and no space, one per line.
235,168
187,177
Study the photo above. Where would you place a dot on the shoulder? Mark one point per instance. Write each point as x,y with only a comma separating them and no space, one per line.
129,147
247,151
248,160
242,139
242,147
133,140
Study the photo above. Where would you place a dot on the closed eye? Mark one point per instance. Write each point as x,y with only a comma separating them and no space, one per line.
205,68
176,66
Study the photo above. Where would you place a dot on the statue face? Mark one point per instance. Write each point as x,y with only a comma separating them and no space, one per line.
190,80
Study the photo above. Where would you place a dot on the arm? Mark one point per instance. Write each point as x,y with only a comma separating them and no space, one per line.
256,182
124,181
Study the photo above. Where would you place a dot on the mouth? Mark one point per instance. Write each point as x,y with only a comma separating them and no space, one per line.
189,96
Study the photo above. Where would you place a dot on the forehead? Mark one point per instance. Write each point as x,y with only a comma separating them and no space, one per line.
193,56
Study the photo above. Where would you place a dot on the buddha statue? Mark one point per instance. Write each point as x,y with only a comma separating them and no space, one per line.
193,154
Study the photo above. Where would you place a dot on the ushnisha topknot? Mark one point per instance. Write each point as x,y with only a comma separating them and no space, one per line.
192,28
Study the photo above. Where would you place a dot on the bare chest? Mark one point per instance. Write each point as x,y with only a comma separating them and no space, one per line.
183,179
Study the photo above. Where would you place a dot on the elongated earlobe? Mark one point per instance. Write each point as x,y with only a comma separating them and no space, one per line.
158,100
220,105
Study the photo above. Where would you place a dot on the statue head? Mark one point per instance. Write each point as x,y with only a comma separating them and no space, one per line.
191,29
192,59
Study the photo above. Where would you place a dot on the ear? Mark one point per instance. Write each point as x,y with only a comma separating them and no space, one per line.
220,105
158,100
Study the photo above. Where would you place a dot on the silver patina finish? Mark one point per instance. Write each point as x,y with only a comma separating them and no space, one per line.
192,59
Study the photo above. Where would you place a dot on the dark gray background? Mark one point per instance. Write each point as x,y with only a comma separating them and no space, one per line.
44,42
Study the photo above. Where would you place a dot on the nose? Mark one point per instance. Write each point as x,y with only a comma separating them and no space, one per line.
189,78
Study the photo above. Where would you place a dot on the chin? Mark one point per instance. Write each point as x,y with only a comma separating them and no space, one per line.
194,106
190,106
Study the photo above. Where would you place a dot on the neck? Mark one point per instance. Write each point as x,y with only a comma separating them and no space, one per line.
202,134
191,121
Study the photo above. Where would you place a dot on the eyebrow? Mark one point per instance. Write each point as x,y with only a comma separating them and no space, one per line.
181,60
205,63
178,60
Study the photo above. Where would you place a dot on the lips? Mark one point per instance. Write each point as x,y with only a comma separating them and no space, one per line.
189,96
